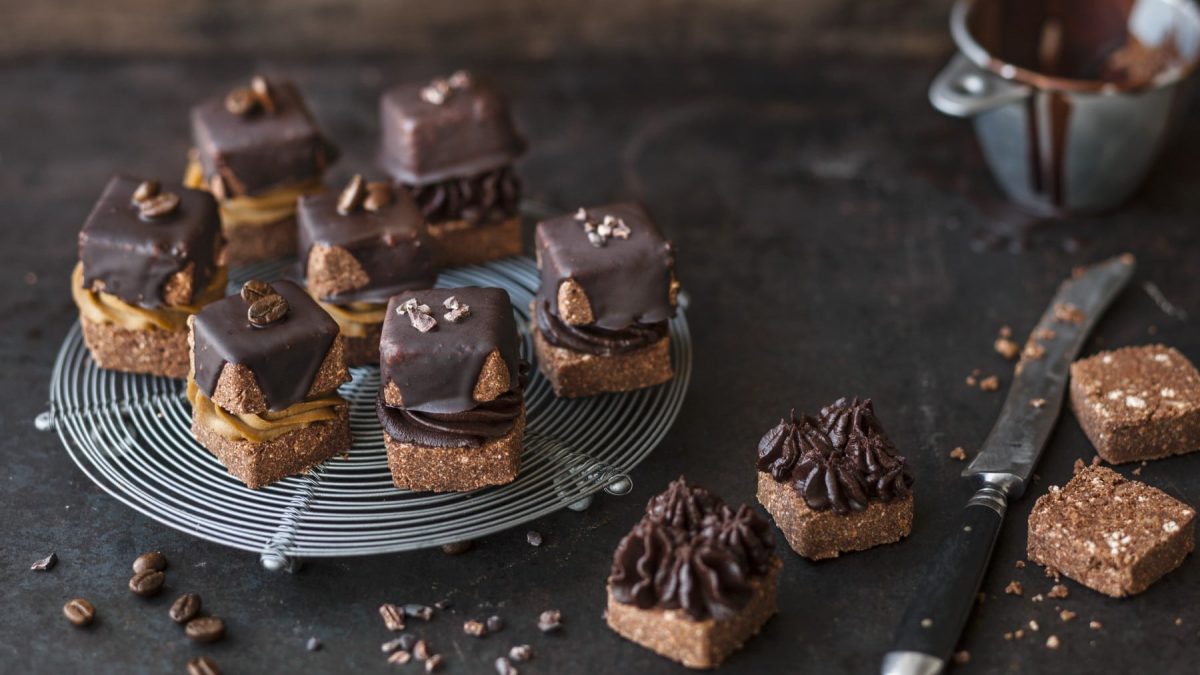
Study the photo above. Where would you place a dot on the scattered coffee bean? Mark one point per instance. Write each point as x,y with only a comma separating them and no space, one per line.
405,642
79,612
422,612
457,547
313,644
147,583
159,205
550,621
145,190
255,290
203,665
393,616
268,310
494,623
505,667
534,538
45,563
352,195
262,93
521,653
433,663
185,608
474,628
205,629
152,561
421,650
241,101
400,657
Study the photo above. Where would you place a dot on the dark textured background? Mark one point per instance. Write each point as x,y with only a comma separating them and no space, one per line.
837,237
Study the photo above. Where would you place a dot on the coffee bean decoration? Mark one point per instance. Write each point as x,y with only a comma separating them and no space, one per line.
185,608
267,310
145,190
205,629
352,195
202,665
256,290
241,101
79,612
147,583
152,560
163,204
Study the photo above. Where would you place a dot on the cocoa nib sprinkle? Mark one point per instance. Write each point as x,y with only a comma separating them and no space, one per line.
439,90
600,231
245,101
458,310
44,564
990,383
1065,312
419,314
1014,588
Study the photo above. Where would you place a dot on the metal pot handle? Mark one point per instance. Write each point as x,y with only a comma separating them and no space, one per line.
963,89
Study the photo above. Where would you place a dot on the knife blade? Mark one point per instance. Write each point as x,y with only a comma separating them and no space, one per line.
939,610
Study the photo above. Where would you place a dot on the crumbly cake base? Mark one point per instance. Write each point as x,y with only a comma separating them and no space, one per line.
575,374
296,452
818,535
696,644
153,352
424,468
246,244
1113,535
457,242
363,351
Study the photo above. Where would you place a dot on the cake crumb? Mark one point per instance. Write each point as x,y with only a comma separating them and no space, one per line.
1095,625
1067,615
958,453
1008,635
1020,564
971,380
1052,642
962,657
989,383
1137,471
1038,402
1179,621
1006,348
1058,591
1033,626
1014,588
1005,331
1038,598
1033,350
1018,633
1065,312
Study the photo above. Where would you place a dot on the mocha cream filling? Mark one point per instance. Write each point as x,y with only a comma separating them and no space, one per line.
101,307
259,210
260,428
356,319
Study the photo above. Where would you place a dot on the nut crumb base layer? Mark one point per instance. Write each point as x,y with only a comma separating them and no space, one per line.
428,469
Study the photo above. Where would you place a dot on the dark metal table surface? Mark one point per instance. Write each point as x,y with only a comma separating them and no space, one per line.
837,237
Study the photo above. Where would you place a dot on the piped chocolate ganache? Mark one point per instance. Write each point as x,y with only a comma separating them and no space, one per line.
483,198
467,429
692,552
840,460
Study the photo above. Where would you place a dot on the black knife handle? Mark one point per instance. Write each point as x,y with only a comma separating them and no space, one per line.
946,593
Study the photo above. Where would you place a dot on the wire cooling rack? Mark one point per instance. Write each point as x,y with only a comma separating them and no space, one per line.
131,435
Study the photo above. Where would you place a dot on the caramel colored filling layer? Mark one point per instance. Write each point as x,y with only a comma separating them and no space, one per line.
259,210
356,318
260,428
101,307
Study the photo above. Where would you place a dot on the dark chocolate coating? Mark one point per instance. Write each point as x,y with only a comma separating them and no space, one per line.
597,341
627,281
261,151
483,198
436,372
284,356
392,245
134,257
471,132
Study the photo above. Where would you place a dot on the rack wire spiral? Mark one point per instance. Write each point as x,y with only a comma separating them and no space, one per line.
130,434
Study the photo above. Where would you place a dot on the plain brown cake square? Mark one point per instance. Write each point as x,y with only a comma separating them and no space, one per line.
1113,535
576,374
424,468
1137,403
153,352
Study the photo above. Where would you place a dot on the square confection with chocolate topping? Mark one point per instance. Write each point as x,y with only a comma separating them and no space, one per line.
452,393
693,608
266,365
357,249
451,142
608,287
1138,403
258,148
149,256
834,483
1113,535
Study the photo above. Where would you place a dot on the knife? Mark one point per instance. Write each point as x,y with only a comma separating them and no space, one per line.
945,594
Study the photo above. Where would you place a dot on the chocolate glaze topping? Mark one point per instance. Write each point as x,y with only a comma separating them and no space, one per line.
692,552
468,429
487,197
264,150
841,460
436,372
469,133
594,340
627,281
134,257
390,244
284,356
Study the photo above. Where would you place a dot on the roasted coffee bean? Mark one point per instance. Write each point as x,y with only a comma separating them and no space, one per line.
400,657
433,663
262,93
241,101
159,205
255,290
520,653
44,564
393,616
145,190
550,621
205,629
505,667
185,608
147,583
268,310
379,195
421,650
474,628
422,612
494,623
456,547
79,612
202,665
150,561
405,642
352,195
534,538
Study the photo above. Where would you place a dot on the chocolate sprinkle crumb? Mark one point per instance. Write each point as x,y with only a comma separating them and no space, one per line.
45,564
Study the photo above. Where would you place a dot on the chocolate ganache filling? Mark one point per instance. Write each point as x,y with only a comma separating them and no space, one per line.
692,552
483,198
841,459
592,339
467,429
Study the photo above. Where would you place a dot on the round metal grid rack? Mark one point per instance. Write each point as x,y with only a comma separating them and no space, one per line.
131,435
